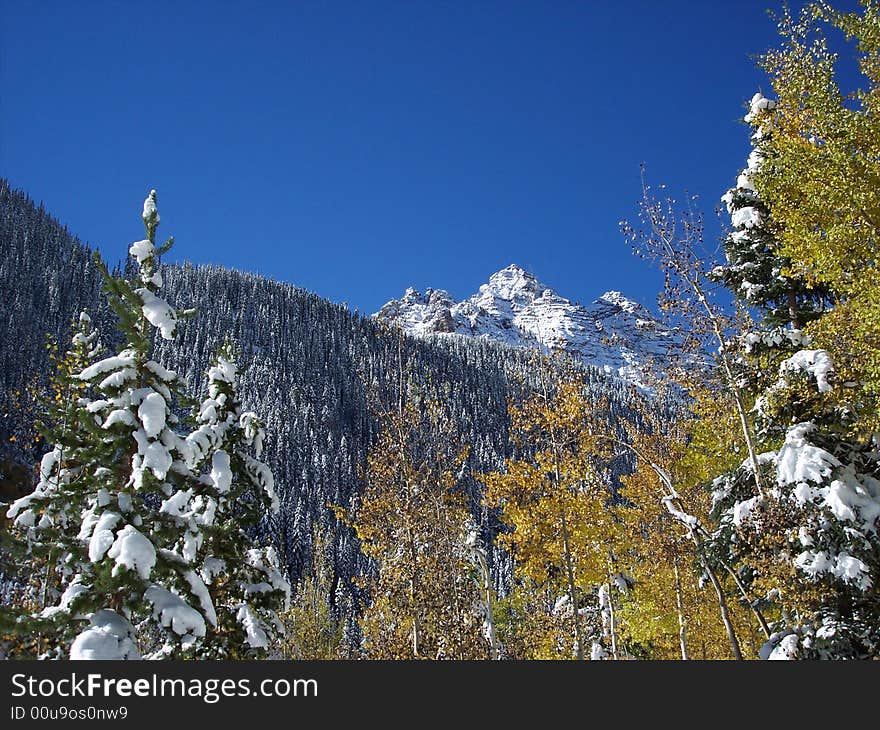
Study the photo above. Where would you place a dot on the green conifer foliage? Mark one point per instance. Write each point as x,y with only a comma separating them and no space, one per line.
234,492
756,272
128,461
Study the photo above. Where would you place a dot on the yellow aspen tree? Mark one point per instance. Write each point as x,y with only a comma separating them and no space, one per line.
554,496
528,625
674,607
414,522
312,631
677,452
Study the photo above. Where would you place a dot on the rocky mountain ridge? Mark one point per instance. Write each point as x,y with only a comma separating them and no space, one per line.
613,333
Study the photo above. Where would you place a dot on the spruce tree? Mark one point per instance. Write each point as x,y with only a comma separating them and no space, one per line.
136,593
810,544
234,493
756,272
47,521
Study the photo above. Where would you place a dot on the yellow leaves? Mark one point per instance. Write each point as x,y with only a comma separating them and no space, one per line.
341,514
411,520
529,628
658,552
555,500
823,185
311,630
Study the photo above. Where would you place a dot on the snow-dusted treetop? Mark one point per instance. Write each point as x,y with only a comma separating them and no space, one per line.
151,214
758,104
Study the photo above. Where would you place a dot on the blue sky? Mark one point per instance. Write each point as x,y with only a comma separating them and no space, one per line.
356,148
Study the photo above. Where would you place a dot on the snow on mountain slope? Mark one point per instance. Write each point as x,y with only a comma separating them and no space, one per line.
613,333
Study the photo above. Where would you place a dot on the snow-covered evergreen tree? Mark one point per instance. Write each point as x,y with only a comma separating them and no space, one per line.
133,590
755,271
235,492
47,520
810,542
807,541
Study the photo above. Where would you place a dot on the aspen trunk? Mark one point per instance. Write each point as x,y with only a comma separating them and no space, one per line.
611,624
569,569
679,604
490,611
416,629
725,615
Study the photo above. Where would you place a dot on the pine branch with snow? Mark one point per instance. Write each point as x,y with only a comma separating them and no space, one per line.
233,495
812,541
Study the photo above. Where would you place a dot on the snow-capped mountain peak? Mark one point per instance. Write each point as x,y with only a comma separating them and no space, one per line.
512,283
613,333
617,299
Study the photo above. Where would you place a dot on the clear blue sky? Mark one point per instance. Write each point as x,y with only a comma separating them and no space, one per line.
356,148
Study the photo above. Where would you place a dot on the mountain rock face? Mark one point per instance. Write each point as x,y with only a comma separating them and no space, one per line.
613,333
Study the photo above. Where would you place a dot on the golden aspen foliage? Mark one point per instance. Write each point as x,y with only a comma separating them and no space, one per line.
822,182
672,611
312,631
412,520
554,496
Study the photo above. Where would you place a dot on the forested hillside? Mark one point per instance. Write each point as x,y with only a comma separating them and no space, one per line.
271,475
315,373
